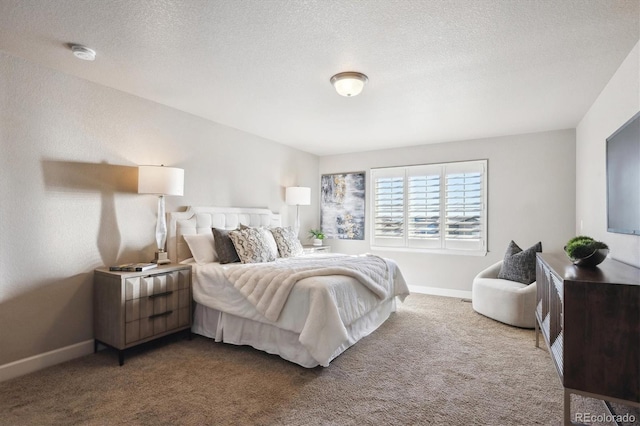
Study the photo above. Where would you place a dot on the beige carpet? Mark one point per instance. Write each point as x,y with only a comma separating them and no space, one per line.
434,362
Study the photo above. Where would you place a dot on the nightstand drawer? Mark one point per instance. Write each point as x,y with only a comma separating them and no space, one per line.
316,249
152,305
151,284
156,314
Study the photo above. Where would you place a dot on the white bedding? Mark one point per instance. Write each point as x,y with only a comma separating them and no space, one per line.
267,285
318,309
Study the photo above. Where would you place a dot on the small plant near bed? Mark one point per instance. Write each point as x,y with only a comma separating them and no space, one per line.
585,251
317,236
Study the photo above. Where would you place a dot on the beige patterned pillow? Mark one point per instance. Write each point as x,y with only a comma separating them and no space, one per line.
251,245
287,241
268,236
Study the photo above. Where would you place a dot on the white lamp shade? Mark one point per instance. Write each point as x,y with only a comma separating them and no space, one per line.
160,180
298,196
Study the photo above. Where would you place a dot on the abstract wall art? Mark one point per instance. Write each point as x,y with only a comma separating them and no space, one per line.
342,203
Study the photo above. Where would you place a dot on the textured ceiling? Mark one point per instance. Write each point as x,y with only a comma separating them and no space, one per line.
438,70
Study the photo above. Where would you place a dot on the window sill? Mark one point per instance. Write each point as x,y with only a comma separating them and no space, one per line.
431,251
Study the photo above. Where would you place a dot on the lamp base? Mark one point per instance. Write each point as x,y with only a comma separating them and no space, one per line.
161,258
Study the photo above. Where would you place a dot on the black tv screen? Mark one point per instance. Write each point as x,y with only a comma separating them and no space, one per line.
623,178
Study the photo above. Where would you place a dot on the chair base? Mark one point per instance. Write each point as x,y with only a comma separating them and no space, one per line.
505,301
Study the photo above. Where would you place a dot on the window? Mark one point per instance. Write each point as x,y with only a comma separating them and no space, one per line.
434,207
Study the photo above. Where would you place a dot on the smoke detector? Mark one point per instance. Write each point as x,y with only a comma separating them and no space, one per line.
83,52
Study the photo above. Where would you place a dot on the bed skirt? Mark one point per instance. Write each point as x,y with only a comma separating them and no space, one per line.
227,328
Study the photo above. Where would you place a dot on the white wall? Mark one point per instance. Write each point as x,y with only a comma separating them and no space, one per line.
68,192
617,103
531,185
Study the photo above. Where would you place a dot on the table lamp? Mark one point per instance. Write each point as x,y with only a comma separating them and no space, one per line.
298,196
161,181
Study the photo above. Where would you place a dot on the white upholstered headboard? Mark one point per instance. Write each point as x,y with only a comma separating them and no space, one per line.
200,220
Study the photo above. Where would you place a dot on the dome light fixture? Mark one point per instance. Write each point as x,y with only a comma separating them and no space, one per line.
349,83
83,52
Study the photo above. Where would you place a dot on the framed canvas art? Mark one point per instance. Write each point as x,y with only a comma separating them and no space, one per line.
342,203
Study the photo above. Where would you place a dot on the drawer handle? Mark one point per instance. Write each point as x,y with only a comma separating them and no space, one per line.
157,275
166,293
164,314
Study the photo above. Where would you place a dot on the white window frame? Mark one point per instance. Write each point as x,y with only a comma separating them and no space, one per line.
440,243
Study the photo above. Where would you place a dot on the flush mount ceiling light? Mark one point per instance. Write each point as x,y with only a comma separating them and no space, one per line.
349,83
83,52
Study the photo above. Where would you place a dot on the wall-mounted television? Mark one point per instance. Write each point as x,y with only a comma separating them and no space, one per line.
623,178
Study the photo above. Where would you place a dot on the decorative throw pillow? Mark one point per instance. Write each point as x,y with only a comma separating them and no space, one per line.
251,245
287,241
224,246
519,265
202,247
268,236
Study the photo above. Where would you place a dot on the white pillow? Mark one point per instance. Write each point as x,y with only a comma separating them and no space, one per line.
202,247
271,242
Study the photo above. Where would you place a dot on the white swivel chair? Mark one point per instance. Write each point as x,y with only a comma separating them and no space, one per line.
506,301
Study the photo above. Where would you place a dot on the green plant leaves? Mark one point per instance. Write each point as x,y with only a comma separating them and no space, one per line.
582,246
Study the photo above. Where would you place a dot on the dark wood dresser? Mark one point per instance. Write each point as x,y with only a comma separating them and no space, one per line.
590,320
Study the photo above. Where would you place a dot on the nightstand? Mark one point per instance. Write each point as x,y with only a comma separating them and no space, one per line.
316,249
131,308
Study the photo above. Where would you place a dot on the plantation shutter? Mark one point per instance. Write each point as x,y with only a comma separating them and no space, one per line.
424,206
464,210
388,207
434,207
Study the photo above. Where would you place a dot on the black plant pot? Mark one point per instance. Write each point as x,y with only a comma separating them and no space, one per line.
594,259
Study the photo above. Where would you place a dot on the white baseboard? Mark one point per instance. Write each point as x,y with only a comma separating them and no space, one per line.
44,360
436,291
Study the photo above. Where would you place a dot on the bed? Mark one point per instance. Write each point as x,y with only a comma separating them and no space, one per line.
321,312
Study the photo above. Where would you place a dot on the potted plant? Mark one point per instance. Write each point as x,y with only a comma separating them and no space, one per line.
585,251
317,236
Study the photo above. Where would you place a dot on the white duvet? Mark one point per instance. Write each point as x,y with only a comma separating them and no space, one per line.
318,308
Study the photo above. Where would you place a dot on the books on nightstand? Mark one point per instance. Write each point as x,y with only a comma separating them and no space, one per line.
133,267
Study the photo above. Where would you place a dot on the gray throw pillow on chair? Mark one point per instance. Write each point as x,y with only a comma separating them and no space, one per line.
520,265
